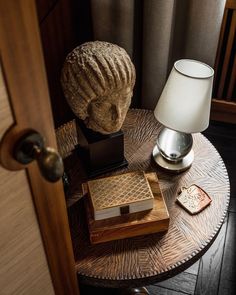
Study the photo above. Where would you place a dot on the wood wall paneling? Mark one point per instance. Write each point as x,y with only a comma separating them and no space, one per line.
231,4
227,52
223,111
224,102
44,7
59,35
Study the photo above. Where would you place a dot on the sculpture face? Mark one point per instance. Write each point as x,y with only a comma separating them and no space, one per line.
98,80
107,114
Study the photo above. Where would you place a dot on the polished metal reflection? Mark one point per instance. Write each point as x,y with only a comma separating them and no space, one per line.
174,145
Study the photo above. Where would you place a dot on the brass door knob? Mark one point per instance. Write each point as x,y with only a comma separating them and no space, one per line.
31,147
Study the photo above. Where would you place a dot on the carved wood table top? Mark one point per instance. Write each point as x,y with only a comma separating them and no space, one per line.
147,259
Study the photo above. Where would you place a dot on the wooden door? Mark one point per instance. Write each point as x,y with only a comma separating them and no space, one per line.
36,254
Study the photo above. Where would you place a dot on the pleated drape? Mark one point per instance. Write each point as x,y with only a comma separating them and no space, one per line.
156,33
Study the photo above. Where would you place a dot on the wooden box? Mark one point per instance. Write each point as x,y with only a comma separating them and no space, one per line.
130,225
120,194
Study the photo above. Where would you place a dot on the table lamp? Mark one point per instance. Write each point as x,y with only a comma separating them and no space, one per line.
183,108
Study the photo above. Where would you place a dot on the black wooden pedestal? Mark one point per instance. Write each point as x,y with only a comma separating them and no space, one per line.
100,153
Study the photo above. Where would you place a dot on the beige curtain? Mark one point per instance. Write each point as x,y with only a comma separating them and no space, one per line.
156,33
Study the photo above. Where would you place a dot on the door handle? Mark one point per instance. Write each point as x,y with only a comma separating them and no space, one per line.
31,147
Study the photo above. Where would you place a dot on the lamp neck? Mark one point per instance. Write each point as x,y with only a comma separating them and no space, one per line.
174,145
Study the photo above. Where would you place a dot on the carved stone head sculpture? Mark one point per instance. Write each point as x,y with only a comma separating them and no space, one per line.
98,80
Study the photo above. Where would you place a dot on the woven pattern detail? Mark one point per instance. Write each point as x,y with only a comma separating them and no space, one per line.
119,190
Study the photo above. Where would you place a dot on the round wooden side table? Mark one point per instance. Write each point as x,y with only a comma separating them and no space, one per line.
151,258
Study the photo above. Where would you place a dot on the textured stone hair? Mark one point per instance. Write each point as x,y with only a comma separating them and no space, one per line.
92,70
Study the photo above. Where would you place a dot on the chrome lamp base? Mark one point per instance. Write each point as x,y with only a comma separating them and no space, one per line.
173,150
178,166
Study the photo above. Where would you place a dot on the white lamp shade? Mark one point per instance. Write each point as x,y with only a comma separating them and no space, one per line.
185,102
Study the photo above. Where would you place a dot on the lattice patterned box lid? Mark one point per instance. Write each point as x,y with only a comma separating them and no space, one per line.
121,194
